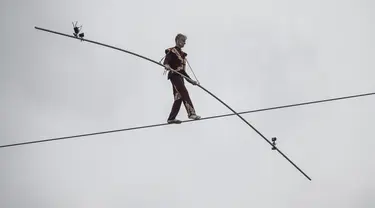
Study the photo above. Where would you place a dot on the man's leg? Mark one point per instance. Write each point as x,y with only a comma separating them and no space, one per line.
176,104
181,89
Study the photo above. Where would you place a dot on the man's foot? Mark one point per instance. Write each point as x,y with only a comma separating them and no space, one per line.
194,117
174,121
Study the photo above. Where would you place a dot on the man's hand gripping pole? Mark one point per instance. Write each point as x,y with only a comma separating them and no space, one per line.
169,68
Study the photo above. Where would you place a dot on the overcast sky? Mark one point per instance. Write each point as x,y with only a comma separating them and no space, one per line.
251,54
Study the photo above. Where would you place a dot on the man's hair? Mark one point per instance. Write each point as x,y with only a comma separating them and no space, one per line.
179,35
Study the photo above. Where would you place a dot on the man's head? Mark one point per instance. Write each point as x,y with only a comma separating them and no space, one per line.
180,40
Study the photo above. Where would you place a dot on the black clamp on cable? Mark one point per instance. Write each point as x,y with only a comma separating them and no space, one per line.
274,143
77,31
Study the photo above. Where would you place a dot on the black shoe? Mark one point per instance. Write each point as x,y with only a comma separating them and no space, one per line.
174,121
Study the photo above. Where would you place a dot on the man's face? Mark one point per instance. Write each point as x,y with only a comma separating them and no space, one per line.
181,42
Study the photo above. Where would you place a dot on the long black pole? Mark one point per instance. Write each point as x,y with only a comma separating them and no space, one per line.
135,54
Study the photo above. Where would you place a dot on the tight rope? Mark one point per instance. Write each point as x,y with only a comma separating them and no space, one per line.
186,121
135,54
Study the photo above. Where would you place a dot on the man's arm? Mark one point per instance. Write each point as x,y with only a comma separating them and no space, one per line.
167,59
190,80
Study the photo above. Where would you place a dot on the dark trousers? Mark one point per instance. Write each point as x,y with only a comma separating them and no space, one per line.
180,94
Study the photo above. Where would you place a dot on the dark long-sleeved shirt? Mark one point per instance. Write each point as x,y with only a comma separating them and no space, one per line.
175,58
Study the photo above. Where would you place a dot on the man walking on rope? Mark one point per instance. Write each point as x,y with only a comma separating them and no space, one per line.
175,62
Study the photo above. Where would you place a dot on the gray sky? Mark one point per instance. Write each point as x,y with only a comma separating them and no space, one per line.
263,54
